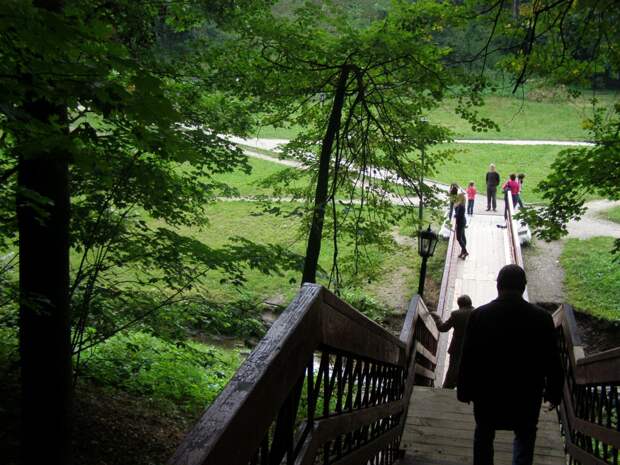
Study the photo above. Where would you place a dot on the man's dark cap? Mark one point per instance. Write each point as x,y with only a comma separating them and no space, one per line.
511,277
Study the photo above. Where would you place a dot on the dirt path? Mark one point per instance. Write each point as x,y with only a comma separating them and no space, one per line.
592,224
275,144
542,259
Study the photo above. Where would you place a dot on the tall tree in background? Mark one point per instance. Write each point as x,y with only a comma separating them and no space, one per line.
98,115
360,93
576,44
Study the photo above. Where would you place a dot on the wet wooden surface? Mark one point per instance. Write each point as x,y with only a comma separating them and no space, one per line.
440,431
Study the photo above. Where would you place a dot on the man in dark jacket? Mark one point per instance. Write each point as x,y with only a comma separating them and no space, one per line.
492,180
458,320
510,362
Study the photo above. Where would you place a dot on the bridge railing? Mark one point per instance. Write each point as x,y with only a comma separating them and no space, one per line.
513,233
590,409
325,385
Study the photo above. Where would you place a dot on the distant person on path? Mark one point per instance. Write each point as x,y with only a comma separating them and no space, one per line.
458,320
471,197
510,362
510,187
492,180
452,193
461,223
520,178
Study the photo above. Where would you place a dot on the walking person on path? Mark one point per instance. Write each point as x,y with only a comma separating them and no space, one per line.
492,179
461,223
510,362
458,320
452,193
520,178
471,197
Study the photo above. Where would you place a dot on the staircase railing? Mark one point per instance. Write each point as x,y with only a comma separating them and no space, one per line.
325,385
513,233
590,409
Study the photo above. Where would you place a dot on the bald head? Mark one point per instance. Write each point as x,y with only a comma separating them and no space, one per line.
511,278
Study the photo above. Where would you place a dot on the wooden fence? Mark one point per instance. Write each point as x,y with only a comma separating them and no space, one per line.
590,409
325,385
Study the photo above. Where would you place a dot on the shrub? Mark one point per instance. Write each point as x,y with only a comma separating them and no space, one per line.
189,374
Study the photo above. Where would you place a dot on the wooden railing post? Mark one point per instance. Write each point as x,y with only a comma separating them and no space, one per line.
590,410
355,403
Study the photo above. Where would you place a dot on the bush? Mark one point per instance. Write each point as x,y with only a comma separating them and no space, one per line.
190,374
365,304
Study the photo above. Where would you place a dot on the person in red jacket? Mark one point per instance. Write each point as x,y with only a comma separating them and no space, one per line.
471,197
513,188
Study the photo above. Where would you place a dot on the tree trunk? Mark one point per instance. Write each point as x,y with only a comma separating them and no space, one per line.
516,8
44,315
313,248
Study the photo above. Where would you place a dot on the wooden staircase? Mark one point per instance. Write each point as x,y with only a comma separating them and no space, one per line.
439,431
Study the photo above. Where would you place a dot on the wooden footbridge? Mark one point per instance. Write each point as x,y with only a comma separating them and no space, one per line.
326,385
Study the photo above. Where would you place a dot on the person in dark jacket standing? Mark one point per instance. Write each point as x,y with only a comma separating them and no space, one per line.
458,320
452,193
492,179
510,362
461,223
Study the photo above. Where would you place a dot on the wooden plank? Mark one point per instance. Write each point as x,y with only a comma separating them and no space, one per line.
425,353
427,435
330,428
345,329
361,455
260,386
601,368
606,435
425,372
407,331
459,455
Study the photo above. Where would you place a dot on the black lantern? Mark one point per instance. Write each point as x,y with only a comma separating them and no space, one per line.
427,241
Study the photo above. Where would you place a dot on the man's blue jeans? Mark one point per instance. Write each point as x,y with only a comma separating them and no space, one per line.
522,446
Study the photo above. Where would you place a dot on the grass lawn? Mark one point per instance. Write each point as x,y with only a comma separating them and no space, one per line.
245,219
248,185
518,118
524,119
473,162
612,214
591,278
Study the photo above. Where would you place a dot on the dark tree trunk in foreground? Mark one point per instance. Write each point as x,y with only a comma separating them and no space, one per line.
313,249
44,319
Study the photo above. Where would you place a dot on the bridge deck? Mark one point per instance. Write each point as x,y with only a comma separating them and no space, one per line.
488,248
440,430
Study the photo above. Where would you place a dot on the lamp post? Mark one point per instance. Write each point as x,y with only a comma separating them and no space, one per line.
427,241
423,121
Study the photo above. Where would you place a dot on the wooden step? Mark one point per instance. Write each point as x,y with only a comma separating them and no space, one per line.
439,431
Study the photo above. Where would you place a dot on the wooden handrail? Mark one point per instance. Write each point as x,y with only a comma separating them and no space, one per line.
590,409
351,408
513,233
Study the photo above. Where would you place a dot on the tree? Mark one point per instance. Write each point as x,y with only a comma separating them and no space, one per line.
572,43
362,91
96,117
